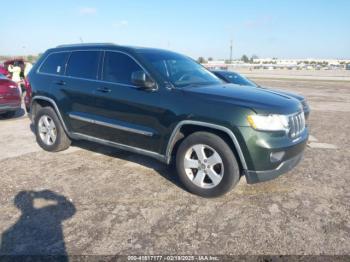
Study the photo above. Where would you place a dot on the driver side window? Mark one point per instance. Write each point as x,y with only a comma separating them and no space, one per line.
118,68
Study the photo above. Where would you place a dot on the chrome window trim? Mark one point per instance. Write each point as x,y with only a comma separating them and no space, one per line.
135,60
91,80
87,50
115,126
41,64
102,65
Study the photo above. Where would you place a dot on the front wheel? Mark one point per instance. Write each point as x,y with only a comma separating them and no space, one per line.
206,165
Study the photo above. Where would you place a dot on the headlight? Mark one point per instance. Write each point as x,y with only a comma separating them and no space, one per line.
269,122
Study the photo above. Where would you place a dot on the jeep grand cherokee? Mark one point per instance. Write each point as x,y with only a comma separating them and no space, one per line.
167,106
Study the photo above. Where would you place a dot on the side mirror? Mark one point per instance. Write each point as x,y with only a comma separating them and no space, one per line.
142,80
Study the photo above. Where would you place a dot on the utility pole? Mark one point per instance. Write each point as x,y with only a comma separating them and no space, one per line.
231,51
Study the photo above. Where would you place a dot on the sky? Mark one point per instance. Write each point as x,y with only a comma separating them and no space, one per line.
266,28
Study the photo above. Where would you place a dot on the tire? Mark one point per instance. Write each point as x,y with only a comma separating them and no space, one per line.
59,140
196,173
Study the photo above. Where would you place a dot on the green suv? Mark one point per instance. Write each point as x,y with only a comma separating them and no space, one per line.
165,105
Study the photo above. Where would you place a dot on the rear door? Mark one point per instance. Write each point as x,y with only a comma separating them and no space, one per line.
77,88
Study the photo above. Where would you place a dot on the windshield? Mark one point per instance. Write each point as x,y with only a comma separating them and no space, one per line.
179,70
238,79
2,76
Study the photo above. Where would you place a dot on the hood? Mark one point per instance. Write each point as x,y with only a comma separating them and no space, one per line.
260,100
299,97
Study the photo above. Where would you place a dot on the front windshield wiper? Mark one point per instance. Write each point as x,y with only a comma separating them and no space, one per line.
194,85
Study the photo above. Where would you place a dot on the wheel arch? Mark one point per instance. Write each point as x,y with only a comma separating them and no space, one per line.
43,101
186,127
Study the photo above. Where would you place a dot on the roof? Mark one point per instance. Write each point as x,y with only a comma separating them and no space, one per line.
109,45
86,45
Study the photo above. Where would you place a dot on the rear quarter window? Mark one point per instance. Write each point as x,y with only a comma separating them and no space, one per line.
54,63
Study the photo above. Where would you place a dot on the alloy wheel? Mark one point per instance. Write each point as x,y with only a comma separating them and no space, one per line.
47,130
203,166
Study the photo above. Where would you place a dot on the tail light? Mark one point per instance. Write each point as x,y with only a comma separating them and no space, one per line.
27,86
28,96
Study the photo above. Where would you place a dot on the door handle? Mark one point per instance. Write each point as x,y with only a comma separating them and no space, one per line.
60,83
104,90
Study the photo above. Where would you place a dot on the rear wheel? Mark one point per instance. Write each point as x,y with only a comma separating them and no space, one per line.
206,165
49,131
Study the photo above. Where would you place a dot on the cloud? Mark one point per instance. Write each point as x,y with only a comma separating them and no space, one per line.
122,23
87,11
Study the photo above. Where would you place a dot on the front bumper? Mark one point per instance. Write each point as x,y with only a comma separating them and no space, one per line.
269,155
253,177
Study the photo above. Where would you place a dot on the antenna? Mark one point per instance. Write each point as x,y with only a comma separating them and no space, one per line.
231,44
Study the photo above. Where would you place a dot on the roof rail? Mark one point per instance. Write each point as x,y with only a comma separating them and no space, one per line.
84,44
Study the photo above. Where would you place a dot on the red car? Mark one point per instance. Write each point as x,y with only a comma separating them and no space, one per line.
10,98
20,62
3,71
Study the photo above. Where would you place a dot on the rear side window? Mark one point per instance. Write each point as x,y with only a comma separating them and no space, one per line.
54,63
83,64
119,67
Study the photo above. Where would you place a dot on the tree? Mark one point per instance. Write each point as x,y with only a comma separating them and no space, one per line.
245,59
253,57
30,58
201,60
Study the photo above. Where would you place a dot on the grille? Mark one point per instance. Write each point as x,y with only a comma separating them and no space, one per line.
296,124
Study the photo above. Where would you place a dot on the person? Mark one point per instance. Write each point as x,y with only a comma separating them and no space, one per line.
15,70
27,68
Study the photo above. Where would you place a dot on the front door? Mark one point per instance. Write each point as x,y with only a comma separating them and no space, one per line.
126,114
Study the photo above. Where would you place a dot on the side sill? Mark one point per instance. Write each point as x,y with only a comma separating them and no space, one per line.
137,150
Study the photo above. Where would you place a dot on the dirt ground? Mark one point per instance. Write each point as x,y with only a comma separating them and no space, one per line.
93,199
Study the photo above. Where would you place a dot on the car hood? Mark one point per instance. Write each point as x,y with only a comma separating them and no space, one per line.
299,97
260,100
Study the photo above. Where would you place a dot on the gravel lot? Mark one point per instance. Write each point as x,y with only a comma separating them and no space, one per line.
92,199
